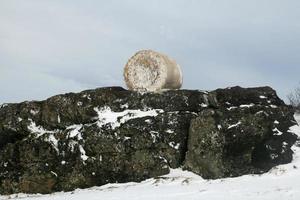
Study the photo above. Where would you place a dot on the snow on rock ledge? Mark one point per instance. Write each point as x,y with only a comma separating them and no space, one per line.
110,135
116,119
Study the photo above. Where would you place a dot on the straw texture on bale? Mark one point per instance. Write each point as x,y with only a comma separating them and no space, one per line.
148,70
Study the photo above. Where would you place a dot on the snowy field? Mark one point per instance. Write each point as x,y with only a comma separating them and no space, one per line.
282,182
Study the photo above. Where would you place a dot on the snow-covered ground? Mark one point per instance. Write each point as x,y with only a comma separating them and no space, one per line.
282,182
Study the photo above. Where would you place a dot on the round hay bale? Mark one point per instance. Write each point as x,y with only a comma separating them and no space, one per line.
148,70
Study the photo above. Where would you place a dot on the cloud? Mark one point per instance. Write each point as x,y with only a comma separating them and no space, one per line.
32,85
60,46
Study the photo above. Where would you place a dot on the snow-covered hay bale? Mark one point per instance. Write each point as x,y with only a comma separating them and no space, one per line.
148,70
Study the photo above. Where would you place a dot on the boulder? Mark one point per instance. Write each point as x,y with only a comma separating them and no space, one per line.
110,135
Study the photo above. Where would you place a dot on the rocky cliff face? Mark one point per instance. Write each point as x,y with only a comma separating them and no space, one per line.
112,135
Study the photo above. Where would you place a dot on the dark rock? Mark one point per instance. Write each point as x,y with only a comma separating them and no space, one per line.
249,133
110,135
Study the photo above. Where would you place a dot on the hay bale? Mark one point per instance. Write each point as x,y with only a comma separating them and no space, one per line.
148,70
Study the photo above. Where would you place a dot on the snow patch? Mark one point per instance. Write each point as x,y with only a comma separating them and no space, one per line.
169,131
52,140
87,96
75,131
203,105
234,125
116,119
277,132
124,106
127,138
262,97
174,145
3,105
203,91
232,108
72,145
148,121
83,156
154,135
247,106
273,156
38,130
34,112
55,174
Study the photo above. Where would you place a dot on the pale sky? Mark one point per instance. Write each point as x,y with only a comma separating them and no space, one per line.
49,47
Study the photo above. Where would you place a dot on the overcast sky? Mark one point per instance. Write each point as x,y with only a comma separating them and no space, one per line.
49,47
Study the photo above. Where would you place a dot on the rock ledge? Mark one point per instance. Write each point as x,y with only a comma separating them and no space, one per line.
112,135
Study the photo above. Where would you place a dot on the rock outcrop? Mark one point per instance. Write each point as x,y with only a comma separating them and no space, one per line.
248,133
110,135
